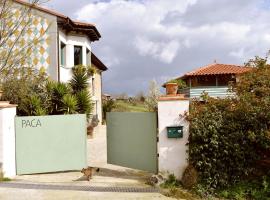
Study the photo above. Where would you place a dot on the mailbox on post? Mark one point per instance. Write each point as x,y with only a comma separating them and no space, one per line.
175,132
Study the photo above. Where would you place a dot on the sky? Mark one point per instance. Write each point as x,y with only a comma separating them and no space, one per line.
144,40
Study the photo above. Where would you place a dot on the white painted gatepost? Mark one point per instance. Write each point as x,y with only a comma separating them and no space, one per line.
7,139
172,146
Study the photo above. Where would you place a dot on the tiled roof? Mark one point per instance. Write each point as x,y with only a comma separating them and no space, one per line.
88,28
216,69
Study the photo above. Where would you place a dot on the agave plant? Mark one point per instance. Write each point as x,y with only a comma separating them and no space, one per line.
69,104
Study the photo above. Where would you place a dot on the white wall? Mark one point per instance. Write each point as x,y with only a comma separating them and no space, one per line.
70,41
172,151
7,139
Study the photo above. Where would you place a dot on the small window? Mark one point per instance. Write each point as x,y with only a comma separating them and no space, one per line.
77,55
93,86
63,54
88,59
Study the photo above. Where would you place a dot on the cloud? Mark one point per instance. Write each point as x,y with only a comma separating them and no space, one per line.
163,51
155,39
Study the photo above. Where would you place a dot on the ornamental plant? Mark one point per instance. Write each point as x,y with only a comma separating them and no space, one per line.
36,95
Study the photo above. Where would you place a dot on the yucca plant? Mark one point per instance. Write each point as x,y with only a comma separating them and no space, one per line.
56,92
33,106
79,79
85,104
69,104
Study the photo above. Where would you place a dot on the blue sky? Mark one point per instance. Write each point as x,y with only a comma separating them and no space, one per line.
162,39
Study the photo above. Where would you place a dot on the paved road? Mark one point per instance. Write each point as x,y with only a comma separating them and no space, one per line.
112,182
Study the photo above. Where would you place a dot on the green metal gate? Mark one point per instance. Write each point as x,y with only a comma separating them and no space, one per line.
50,143
132,140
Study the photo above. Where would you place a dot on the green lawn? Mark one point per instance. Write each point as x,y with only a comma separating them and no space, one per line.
125,106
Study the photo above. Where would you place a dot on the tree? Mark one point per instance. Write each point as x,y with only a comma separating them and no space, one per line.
152,96
16,42
140,96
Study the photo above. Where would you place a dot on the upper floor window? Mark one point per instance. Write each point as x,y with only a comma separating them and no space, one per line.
88,59
78,55
63,54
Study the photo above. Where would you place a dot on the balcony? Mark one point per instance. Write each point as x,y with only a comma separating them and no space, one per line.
212,91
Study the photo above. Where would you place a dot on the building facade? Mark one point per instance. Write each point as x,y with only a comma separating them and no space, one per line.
62,44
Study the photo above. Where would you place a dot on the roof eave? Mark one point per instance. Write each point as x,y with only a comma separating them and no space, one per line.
98,63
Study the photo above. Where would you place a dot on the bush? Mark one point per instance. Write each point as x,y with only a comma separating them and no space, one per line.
258,189
228,136
24,84
107,106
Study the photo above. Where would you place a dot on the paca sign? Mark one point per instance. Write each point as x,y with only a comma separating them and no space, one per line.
33,123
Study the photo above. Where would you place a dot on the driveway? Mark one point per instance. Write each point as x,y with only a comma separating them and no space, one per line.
112,182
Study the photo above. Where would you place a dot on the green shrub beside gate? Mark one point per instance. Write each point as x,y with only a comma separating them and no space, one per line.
50,143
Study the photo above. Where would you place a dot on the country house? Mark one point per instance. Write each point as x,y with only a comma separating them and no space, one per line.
213,79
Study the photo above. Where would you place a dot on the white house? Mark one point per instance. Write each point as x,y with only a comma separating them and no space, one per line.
65,43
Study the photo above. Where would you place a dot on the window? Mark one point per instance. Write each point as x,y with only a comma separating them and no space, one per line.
63,54
93,86
88,59
77,55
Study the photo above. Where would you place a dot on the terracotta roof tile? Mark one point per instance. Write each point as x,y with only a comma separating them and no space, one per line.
216,68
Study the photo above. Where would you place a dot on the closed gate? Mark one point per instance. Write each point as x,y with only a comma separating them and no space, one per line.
50,143
132,140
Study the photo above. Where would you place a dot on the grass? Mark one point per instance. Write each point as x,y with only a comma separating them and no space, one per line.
172,188
178,193
125,106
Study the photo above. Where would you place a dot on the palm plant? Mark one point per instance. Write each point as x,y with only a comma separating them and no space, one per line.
79,79
56,93
32,106
85,104
69,104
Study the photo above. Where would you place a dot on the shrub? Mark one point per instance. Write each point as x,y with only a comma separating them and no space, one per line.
36,95
258,189
107,106
25,83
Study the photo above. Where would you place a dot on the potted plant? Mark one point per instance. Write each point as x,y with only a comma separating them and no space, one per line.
171,87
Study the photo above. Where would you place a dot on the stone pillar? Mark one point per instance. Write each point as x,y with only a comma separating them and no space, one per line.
7,139
172,151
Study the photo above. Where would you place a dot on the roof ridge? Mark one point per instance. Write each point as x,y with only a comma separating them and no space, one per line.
217,68
200,68
53,12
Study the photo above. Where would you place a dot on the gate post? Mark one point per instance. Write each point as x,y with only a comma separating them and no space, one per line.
7,139
173,135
